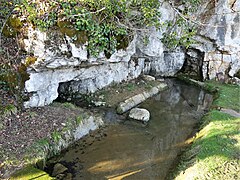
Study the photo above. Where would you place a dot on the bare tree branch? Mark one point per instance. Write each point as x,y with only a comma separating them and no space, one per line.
95,12
128,27
188,19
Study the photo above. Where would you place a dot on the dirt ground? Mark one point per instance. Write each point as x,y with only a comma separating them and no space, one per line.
21,130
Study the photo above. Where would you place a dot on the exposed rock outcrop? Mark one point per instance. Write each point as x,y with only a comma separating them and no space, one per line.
219,38
60,59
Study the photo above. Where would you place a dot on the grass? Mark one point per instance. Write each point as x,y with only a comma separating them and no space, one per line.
69,105
228,96
215,151
31,173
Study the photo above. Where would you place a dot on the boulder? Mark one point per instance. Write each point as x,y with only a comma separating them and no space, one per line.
139,114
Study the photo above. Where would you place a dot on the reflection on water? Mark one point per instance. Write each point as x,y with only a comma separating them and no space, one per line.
132,151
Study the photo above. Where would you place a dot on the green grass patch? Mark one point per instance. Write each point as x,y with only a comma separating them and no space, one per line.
228,95
31,172
215,152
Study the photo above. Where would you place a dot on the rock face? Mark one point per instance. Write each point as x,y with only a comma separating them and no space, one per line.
64,66
60,61
139,114
219,38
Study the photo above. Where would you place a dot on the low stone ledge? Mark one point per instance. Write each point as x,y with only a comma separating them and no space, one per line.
139,98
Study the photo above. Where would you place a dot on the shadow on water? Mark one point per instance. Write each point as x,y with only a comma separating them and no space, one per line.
129,150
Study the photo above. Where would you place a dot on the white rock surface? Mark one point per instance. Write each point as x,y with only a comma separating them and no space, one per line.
60,60
220,38
168,64
139,98
139,114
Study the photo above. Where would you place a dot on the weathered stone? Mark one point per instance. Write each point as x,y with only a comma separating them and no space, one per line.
235,81
139,114
61,60
124,55
216,63
220,39
168,64
78,52
139,98
150,44
99,103
149,78
44,85
86,125
58,169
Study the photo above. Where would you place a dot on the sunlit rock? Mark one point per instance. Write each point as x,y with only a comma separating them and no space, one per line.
139,114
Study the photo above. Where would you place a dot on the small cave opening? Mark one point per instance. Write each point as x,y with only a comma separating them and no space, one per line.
64,94
73,92
193,64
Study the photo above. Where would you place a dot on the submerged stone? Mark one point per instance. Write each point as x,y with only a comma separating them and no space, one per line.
58,169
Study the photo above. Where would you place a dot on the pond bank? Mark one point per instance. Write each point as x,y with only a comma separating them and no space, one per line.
218,128
215,150
32,135
134,150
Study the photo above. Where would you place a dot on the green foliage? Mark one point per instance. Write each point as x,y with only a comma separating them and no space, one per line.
79,119
131,87
229,95
182,29
103,21
69,105
179,34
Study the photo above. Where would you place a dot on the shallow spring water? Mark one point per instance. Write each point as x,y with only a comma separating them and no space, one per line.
131,150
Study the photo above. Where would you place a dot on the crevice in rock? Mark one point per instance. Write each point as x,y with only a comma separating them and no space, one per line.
232,4
211,40
193,64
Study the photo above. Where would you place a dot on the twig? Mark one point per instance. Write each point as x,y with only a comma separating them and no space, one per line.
76,15
4,24
131,28
188,19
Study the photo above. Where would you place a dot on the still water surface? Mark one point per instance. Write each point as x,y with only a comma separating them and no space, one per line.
131,150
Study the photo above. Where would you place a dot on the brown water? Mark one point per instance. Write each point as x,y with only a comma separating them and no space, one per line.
131,150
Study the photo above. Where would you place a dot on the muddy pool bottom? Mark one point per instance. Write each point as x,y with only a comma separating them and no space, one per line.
131,150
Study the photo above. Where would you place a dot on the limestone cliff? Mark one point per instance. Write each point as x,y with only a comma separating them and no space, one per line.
60,59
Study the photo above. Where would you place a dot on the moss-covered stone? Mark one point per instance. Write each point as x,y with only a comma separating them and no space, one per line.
12,27
30,60
67,28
